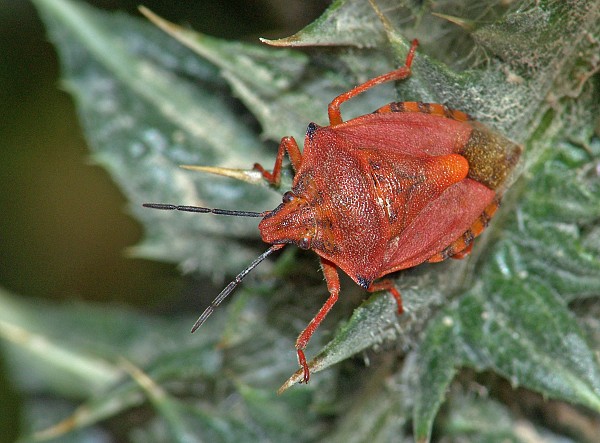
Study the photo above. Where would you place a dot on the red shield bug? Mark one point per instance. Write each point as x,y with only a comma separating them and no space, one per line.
410,183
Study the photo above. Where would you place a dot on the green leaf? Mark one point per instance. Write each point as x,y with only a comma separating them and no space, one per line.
279,86
379,416
142,110
515,319
61,364
379,316
116,360
543,242
346,22
518,329
485,420
580,195
149,104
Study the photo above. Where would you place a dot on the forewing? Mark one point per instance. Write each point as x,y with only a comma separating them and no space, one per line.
410,133
437,225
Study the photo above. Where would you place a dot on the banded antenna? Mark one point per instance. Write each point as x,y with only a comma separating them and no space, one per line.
238,279
168,207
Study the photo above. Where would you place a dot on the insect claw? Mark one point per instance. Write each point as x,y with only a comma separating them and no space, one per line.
304,365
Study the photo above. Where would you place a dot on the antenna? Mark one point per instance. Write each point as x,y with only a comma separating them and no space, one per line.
169,207
231,286
238,279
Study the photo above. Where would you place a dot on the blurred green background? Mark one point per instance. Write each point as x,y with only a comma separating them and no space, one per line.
63,230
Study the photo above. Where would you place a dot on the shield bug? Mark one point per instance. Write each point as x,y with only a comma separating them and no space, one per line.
409,183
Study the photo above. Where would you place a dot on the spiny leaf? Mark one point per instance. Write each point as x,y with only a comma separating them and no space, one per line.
144,114
515,320
518,329
260,76
346,22
542,250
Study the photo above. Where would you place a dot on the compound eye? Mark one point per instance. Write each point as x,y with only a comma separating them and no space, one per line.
304,243
288,197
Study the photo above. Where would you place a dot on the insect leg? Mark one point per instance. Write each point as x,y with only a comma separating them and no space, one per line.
335,117
333,285
289,145
387,285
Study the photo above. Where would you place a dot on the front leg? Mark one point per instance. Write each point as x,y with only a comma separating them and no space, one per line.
289,145
333,285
